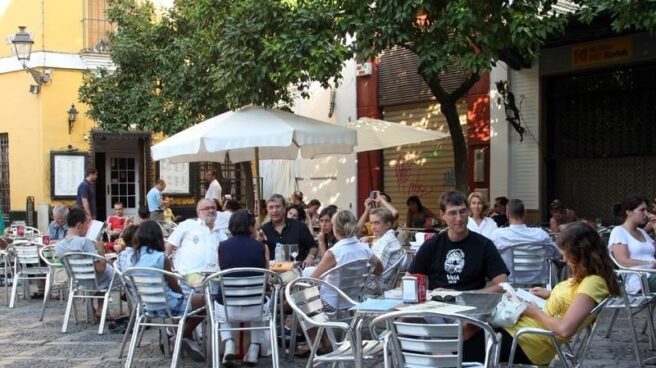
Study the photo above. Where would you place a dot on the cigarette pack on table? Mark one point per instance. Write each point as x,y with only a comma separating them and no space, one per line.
422,285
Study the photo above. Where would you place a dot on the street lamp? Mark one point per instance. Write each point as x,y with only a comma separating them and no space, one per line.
23,48
72,116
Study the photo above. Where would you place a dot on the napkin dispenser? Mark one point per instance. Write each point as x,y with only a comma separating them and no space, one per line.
414,288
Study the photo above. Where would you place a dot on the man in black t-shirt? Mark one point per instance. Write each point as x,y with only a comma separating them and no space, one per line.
458,258
283,230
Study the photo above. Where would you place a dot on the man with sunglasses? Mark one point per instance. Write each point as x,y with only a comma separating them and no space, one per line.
457,258
195,243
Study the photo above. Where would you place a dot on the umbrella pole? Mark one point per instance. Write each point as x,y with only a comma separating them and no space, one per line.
257,180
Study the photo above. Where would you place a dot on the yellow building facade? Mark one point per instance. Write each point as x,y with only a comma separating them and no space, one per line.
39,156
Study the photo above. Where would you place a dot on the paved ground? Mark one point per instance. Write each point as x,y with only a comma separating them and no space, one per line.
26,342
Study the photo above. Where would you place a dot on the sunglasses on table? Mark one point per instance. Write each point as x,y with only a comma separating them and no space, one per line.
444,299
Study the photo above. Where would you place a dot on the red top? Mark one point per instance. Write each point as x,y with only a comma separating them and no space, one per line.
116,222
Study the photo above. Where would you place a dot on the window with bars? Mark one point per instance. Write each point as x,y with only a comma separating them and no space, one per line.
229,178
4,172
96,27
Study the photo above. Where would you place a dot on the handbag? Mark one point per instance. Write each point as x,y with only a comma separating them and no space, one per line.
508,311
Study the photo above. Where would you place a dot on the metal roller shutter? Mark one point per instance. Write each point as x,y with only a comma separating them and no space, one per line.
424,169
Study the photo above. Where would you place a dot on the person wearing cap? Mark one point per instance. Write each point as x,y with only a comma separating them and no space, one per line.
560,216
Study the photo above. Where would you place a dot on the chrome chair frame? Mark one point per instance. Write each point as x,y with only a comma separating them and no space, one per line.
27,266
531,257
47,255
83,280
148,287
239,291
424,344
303,296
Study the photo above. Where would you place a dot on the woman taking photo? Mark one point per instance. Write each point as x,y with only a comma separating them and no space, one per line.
631,246
568,305
326,238
478,221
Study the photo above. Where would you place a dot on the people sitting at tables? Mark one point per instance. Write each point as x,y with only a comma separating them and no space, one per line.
347,249
296,212
568,305
75,241
128,242
117,222
418,216
478,221
312,212
381,199
560,216
386,246
242,250
517,232
326,238
150,253
195,243
223,217
459,259
499,211
631,246
283,230
58,229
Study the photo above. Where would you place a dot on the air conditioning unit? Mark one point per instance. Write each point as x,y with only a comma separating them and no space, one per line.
362,69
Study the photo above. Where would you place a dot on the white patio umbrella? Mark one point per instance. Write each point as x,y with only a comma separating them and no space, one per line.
253,133
374,134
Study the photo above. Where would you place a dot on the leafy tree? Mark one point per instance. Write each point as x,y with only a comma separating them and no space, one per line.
470,34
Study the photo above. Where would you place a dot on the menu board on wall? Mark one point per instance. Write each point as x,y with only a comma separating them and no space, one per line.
67,170
176,176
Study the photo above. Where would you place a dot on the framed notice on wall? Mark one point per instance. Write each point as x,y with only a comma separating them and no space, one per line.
176,176
67,170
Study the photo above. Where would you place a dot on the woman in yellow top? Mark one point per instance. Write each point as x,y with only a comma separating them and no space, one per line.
568,304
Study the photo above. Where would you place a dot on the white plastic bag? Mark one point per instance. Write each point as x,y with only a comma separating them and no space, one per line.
508,311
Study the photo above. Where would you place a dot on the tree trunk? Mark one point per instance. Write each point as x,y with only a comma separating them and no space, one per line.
460,164
448,107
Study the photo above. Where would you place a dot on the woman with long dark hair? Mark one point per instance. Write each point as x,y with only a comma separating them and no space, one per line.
630,244
568,305
149,252
326,238
417,213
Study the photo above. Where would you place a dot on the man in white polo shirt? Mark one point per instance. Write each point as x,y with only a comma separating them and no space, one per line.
195,243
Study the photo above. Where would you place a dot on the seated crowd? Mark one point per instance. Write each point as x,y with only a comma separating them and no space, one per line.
472,253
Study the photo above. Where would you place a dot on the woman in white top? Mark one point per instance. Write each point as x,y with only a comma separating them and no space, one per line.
478,221
347,249
631,245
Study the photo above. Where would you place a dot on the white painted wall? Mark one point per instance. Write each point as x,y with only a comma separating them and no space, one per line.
499,137
331,180
524,179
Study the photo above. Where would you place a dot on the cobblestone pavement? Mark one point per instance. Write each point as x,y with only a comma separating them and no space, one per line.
26,342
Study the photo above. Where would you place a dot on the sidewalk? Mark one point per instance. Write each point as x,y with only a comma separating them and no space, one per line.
26,342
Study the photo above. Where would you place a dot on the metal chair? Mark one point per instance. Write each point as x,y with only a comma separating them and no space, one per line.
303,296
632,305
47,255
425,344
84,283
6,264
149,288
27,266
574,354
530,263
350,278
390,277
241,295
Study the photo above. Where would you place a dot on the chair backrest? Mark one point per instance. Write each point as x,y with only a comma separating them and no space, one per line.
244,287
529,263
350,278
390,277
32,231
433,342
48,256
148,288
26,257
304,298
81,269
167,227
